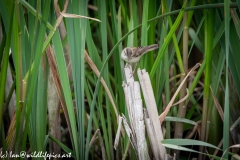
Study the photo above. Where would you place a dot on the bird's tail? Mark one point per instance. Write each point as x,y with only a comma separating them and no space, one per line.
152,47
145,49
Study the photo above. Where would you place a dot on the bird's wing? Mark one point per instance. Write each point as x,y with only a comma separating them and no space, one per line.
138,51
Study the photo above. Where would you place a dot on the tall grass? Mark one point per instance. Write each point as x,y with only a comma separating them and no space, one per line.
40,39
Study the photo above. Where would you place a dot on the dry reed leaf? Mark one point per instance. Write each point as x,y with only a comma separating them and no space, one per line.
216,150
94,138
164,114
128,100
191,134
129,133
233,146
218,106
235,124
102,146
59,19
68,15
183,99
96,71
56,79
118,132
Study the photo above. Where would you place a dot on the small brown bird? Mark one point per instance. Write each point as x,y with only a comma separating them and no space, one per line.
133,54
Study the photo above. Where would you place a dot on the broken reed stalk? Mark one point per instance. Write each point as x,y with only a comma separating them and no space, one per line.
135,110
136,129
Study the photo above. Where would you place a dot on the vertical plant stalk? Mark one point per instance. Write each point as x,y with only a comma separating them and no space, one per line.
3,72
182,108
208,40
3,75
167,85
226,102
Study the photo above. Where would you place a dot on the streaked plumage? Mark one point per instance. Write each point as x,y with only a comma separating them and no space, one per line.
133,54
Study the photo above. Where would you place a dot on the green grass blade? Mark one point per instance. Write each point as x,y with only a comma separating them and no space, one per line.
6,8
64,147
41,105
178,54
4,66
177,119
167,40
103,28
176,147
234,57
34,12
117,59
226,103
187,142
144,32
76,31
66,88
32,82
238,4
149,58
